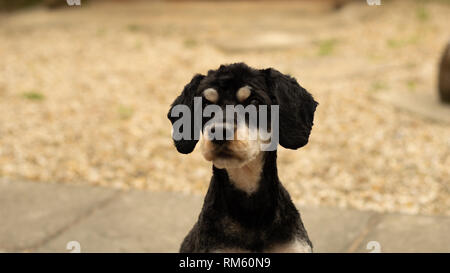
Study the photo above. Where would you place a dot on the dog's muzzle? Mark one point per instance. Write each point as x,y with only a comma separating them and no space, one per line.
221,133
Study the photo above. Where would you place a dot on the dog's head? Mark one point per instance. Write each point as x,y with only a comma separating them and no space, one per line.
233,138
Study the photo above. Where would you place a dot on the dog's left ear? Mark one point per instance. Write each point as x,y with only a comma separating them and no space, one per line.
296,108
186,101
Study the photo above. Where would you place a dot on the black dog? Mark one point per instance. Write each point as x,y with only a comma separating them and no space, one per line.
246,208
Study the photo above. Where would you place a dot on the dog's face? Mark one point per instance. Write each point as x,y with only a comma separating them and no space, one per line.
229,143
230,137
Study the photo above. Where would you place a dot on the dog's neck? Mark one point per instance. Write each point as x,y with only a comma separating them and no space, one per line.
246,178
250,192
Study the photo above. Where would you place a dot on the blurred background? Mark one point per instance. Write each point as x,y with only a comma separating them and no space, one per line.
84,93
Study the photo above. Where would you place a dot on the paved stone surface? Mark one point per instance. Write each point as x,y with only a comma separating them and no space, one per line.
405,233
333,230
420,103
45,217
32,213
135,222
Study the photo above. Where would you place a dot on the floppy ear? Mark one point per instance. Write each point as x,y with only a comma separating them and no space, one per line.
296,109
185,100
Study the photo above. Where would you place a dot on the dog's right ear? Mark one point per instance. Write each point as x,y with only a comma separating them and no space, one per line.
184,104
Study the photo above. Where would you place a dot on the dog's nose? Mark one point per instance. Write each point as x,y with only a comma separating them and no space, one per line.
221,133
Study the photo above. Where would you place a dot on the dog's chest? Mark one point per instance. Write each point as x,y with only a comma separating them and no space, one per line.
295,246
238,233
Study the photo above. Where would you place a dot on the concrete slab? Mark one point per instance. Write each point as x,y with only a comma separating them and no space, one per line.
421,103
411,233
332,229
32,213
135,222
158,222
46,217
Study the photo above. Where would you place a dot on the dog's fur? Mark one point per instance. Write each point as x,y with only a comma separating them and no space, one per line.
246,208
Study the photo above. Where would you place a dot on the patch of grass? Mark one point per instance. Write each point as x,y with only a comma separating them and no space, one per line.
411,65
393,43
422,14
326,47
125,112
138,45
411,84
33,95
101,32
134,27
397,43
378,86
374,55
190,42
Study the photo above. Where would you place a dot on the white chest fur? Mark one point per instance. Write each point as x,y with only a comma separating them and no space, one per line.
246,178
295,246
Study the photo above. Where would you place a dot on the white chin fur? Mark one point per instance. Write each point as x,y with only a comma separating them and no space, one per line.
227,163
223,163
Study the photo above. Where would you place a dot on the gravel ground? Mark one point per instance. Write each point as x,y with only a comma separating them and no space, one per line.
84,94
